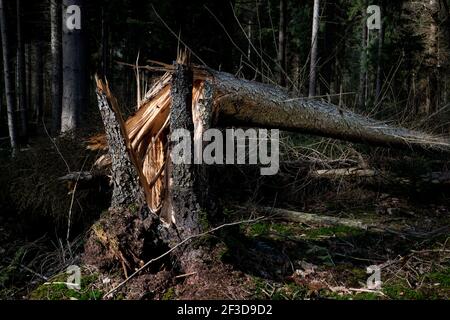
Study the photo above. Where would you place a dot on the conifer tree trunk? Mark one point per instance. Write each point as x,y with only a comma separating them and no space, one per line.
21,75
74,68
56,47
363,61
282,44
8,78
314,49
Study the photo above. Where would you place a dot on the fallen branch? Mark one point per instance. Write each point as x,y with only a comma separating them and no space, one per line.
348,172
78,176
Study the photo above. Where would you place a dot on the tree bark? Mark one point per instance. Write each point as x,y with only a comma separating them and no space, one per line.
282,45
74,70
8,78
314,49
56,47
183,197
248,103
127,190
21,75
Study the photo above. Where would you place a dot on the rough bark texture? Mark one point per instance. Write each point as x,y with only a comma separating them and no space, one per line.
254,104
314,49
125,178
9,78
56,34
183,198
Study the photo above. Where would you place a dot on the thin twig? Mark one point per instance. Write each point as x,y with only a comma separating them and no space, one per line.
56,147
178,37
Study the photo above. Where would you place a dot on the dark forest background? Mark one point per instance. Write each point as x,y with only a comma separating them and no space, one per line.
400,71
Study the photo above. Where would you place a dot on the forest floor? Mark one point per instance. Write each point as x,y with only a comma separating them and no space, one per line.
268,259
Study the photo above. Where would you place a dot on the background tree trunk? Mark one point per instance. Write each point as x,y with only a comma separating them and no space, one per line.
38,83
380,56
282,45
21,75
74,70
363,61
105,44
56,34
9,78
314,49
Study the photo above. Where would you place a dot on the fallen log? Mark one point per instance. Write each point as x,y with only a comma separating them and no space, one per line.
250,103
309,218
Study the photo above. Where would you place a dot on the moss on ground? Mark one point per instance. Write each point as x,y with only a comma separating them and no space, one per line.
56,289
169,294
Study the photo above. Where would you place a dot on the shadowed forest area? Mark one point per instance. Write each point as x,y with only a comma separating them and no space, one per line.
101,198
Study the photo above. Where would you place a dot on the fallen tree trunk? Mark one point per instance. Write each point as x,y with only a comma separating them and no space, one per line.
250,103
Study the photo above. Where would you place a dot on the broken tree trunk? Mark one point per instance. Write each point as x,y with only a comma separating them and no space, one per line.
128,232
182,206
194,99
177,102
255,104
125,175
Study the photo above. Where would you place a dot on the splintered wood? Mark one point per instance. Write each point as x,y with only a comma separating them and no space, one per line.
147,132
240,102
